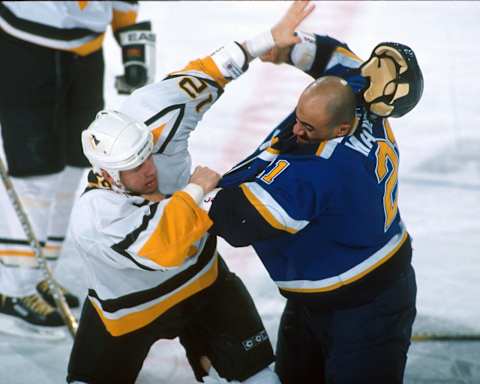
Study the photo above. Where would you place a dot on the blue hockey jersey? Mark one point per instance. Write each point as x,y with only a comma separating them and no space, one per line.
320,216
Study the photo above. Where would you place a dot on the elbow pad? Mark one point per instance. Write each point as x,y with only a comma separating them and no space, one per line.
231,59
303,54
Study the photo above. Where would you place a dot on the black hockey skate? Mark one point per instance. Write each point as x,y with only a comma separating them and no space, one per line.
30,316
46,294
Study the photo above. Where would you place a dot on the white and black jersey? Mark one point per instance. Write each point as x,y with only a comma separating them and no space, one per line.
142,257
77,26
145,257
172,108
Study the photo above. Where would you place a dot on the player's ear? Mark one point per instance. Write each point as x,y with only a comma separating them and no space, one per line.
343,129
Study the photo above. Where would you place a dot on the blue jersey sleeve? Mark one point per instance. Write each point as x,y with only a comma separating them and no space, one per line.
281,200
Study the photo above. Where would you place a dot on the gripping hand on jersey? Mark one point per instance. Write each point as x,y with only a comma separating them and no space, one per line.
206,178
284,33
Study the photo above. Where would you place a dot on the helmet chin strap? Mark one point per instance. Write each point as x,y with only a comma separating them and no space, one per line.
117,184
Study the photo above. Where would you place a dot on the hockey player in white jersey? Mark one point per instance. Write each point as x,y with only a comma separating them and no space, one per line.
51,77
153,270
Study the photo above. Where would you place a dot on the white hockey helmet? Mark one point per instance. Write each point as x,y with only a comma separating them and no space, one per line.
115,142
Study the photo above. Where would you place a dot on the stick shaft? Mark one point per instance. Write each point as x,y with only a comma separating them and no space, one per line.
58,296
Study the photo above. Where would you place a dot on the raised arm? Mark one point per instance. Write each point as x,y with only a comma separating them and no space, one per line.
282,35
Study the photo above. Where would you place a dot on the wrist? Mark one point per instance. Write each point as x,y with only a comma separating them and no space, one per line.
260,44
195,191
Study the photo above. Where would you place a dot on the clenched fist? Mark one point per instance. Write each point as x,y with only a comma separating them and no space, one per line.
205,177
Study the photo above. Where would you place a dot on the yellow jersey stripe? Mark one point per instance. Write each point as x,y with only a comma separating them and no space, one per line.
12,252
273,151
82,4
388,131
91,46
207,66
264,212
347,53
137,320
157,132
183,222
123,19
320,148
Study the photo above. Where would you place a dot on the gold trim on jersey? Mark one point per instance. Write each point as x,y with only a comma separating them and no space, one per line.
82,4
182,223
348,53
12,252
18,257
356,273
273,151
388,131
130,319
269,154
90,47
320,148
343,57
270,210
327,147
207,66
122,19
157,132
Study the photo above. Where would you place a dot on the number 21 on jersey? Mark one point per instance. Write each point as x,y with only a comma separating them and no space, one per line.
386,155
279,167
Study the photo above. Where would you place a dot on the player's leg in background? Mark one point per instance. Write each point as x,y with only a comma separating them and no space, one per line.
31,144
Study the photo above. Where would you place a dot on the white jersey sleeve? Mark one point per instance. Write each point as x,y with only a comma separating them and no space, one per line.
172,108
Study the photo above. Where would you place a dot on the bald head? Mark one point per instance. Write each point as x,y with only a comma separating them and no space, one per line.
332,98
325,110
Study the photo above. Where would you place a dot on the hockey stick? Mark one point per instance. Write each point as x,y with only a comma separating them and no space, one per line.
445,336
58,296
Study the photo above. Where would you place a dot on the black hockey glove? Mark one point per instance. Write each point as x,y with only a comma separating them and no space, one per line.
138,55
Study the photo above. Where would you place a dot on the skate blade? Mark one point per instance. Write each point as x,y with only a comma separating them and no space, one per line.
16,327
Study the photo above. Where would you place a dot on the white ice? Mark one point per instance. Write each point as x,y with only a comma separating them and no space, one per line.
439,177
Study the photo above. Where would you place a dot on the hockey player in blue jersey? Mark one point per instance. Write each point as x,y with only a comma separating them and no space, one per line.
318,202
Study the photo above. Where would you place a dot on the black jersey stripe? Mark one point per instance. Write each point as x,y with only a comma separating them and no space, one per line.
123,245
138,298
181,108
130,2
18,242
56,238
44,30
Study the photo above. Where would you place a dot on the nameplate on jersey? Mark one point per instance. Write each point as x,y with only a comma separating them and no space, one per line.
364,141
